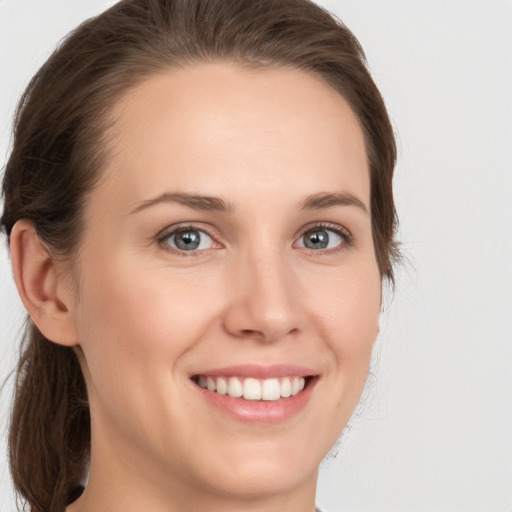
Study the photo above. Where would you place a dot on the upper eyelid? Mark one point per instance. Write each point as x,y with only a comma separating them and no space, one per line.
324,225
170,230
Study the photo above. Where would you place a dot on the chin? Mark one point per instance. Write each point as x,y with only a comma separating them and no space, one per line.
265,468
258,481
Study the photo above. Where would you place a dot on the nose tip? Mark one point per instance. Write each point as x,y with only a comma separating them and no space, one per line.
264,304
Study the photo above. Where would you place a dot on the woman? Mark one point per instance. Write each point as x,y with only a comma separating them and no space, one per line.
200,216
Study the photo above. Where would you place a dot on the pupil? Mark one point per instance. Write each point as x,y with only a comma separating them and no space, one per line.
317,239
187,240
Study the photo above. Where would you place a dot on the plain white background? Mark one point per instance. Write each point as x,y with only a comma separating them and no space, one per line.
436,432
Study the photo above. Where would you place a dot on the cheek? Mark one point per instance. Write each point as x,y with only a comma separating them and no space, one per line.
348,301
348,313
145,307
135,323
136,326
344,307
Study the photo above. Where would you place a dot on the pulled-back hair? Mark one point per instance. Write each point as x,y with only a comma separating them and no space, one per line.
59,153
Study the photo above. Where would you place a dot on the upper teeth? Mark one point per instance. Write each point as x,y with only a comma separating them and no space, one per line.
253,389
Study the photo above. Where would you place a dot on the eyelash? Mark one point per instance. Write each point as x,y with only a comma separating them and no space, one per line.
348,239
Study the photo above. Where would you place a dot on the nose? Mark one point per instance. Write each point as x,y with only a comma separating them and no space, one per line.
263,296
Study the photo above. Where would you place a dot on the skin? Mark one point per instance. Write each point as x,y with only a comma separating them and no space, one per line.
148,317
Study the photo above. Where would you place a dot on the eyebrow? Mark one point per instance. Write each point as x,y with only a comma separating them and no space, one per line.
328,200
195,202
318,201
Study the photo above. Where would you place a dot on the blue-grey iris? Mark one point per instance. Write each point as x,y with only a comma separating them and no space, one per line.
187,240
318,239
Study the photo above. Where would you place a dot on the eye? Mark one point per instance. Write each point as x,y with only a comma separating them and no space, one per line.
187,239
324,238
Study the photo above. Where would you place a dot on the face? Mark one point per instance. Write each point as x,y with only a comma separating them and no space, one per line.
228,245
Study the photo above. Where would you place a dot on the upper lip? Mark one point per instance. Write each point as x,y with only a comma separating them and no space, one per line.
259,371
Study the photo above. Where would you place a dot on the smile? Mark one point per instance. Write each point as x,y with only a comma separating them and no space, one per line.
257,394
251,388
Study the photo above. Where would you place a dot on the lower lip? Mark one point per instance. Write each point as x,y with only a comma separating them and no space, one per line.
260,411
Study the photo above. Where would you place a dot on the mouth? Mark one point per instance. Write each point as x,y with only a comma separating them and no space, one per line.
257,394
253,388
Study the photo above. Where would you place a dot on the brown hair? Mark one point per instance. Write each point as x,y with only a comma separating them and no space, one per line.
59,152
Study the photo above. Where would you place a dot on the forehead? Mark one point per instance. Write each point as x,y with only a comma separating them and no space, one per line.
214,127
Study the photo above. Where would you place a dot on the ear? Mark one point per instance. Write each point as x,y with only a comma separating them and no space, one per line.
377,326
45,292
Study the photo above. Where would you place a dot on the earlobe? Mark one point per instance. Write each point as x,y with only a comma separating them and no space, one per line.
41,287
